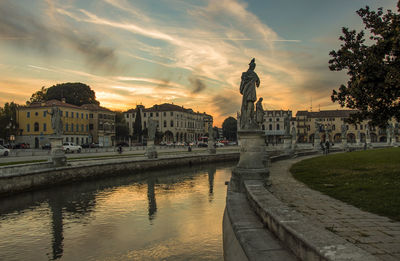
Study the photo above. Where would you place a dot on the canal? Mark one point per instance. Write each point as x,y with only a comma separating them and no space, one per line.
173,214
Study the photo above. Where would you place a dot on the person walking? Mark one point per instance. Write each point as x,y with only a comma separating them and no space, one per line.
327,147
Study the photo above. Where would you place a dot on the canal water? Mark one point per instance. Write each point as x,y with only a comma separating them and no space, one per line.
173,214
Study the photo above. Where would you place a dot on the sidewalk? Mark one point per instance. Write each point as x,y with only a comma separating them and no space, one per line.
377,235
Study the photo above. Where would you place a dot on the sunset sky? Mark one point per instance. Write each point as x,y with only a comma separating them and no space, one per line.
190,53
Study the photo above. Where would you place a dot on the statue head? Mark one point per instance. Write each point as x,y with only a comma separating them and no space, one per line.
261,99
252,64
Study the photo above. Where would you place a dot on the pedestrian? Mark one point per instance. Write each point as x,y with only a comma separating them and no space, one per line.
327,147
322,147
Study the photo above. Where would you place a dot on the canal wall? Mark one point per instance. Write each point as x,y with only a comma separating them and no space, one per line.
33,176
249,238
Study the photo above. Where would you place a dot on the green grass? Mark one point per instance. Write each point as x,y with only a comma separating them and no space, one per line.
21,162
369,180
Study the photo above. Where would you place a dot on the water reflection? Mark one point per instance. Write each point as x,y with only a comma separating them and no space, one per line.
151,196
104,219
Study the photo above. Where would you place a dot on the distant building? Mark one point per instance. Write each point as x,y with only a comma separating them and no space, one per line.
34,123
178,124
331,122
101,124
274,125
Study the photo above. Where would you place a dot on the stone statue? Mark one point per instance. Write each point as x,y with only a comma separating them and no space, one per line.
344,131
248,86
211,134
56,122
294,133
287,125
152,129
259,112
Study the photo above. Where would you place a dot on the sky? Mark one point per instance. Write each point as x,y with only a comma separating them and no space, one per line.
185,52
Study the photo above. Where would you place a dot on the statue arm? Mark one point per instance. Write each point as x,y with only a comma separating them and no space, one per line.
257,81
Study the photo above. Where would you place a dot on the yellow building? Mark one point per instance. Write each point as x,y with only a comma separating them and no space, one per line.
331,122
35,127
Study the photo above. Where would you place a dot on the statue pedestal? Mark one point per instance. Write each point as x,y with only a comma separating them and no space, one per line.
151,151
210,147
287,143
57,153
317,142
253,159
344,143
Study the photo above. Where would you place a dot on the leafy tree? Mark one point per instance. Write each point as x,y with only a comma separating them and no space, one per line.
137,125
74,93
121,127
229,128
374,70
8,120
38,96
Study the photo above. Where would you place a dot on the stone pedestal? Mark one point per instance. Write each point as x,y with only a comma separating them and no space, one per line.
344,144
253,159
317,142
287,143
210,147
57,153
151,151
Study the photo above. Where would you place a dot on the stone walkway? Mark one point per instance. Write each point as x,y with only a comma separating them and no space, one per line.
377,235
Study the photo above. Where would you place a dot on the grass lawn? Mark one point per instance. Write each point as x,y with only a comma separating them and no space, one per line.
369,180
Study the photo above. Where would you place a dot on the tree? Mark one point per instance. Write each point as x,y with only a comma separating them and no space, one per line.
137,125
8,120
374,70
74,93
121,127
38,96
229,128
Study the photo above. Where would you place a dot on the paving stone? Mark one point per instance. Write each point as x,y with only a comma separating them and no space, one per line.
377,235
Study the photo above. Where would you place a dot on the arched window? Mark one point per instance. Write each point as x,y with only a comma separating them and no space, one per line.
270,127
277,126
36,126
263,127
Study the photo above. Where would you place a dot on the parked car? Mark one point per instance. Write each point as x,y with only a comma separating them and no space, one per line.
86,145
122,144
219,144
202,144
46,146
71,147
232,143
22,145
4,151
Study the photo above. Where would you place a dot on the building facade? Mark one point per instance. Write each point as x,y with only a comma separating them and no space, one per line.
35,127
101,125
277,124
177,123
330,122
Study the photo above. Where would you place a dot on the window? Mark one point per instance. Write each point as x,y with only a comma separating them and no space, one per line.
77,115
72,127
28,127
172,123
277,126
164,113
333,127
66,139
270,127
66,127
36,113
270,119
91,126
66,114
44,113
81,115
144,114
156,114
172,113
361,127
277,119
87,127
82,126
165,124
91,115
127,115
44,127
72,114
87,116
36,126
355,126
144,124
151,114
28,114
